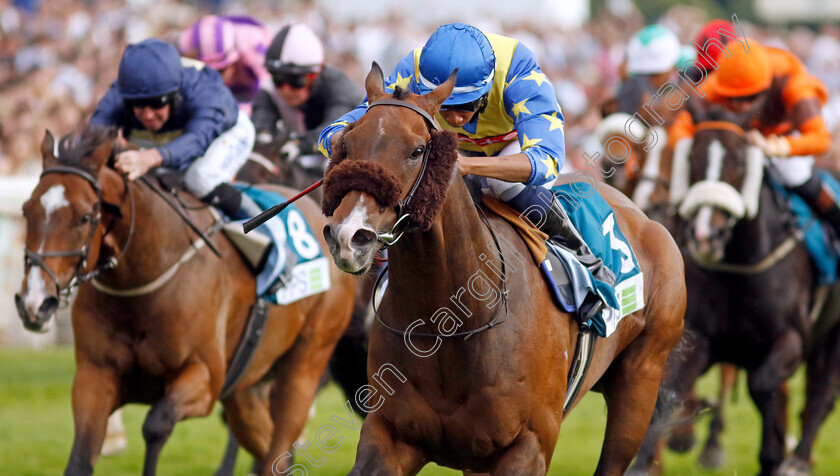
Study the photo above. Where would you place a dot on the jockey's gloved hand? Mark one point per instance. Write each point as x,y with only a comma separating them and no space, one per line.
772,145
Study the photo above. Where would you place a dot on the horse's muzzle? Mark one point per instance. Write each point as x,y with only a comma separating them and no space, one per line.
35,321
351,252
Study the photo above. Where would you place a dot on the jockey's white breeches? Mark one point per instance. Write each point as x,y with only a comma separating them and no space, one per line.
500,189
794,171
225,155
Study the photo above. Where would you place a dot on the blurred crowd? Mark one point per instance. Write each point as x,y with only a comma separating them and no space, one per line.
58,57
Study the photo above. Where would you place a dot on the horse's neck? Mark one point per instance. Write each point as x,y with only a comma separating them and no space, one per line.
433,265
752,240
156,241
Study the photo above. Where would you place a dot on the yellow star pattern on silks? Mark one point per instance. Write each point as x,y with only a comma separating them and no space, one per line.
323,149
538,77
551,165
556,122
526,142
401,82
511,80
520,107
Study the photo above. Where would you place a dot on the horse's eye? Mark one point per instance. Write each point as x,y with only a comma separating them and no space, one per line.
417,153
85,219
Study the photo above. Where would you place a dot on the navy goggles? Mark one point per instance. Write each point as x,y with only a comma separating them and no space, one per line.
155,102
296,81
471,106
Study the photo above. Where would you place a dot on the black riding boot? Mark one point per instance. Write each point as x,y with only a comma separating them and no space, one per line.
544,210
227,198
821,198
236,206
559,227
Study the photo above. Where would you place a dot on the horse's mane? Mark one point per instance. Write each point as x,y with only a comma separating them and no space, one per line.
75,146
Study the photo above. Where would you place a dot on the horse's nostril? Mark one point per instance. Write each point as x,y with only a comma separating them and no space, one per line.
21,307
48,307
363,237
328,234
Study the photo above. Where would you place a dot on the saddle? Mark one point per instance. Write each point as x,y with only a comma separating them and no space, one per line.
255,248
284,255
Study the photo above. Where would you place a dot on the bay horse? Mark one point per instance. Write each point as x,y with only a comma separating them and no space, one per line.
141,337
638,162
492,402
753,299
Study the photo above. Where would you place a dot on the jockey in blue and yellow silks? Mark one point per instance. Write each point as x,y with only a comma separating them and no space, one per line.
505,112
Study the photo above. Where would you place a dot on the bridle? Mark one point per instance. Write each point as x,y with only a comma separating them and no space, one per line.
396,232
32,258
391,237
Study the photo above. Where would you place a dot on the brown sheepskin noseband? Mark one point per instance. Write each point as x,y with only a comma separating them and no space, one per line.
342,177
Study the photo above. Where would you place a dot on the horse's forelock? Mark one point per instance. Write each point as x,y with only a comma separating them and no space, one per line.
400,93
75,146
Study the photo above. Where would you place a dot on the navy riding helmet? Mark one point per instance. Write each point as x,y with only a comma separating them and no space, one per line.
458,45
150,70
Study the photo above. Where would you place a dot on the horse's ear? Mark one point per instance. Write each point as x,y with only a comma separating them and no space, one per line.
48,148
101,155
375,82
440,93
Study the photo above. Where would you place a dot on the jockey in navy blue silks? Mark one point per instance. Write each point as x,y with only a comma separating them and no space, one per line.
505,112
183,117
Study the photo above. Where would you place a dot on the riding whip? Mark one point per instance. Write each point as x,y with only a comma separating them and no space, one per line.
264,216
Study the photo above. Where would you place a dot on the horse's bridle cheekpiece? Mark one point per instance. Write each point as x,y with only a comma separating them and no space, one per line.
391,237
32,258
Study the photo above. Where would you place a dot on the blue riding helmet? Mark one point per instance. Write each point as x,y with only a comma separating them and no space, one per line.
151,68
461,46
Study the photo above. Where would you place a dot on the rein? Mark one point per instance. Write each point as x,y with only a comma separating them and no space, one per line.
720,125
32,258
493,322
396,232
756,268
196,245
181,213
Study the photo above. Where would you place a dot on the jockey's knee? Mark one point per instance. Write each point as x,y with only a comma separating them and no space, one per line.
794,171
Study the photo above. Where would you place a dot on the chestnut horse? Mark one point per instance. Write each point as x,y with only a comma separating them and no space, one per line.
753,300
143,337
493,402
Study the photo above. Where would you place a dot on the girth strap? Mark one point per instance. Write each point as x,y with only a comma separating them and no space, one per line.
247,346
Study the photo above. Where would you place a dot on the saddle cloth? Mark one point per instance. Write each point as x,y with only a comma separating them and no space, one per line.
572,284
302,252
817,238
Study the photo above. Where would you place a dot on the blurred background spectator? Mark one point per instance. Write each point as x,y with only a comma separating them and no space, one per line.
57,58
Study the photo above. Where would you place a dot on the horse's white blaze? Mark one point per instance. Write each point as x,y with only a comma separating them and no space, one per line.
357,220
714,169
703,223
53,200
382,126
36,290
